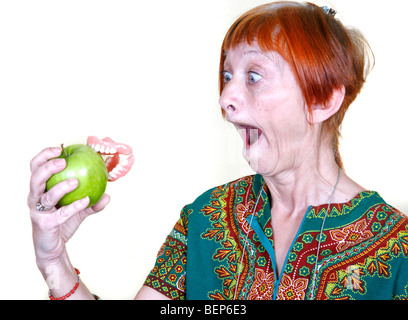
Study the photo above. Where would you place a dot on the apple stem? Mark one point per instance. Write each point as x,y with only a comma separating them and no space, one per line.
63,150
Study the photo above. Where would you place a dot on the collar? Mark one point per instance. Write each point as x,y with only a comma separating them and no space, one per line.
358,205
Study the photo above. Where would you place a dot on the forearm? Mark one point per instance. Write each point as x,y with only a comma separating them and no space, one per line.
61,278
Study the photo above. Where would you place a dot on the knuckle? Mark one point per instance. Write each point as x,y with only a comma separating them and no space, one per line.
36,186
50,165
34,180
30,201
43,157
46,200
77,206
32,165
73,208
65,210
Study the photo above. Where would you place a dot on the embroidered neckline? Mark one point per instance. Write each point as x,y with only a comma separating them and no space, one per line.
318,211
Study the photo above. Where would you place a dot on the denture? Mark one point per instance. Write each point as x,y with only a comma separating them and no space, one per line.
118,156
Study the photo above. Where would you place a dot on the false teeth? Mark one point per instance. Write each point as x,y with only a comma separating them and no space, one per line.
118,156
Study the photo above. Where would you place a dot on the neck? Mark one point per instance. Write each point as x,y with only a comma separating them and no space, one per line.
310,183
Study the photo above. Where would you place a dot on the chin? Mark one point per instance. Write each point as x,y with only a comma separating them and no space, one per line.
262,164
259,170
259,165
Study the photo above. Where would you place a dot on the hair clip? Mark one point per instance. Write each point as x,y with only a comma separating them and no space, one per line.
330,11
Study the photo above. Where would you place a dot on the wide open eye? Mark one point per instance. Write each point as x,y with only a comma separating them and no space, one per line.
254,77
227,76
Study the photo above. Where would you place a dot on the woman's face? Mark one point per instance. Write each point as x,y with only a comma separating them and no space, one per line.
262,98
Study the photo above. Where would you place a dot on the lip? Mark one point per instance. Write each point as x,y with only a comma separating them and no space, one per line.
118,156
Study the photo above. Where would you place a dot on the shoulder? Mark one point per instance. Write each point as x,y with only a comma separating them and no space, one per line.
380,211
223,198
384,211
388,225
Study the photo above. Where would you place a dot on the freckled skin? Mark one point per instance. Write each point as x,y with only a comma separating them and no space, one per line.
88,167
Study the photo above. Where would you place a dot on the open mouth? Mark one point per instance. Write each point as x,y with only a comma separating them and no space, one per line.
249,134
118,156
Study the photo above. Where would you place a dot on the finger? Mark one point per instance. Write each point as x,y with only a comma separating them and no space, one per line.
66,212
43,157
102,203
40,177
51,198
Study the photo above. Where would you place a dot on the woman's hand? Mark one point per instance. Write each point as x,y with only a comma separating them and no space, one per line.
53,227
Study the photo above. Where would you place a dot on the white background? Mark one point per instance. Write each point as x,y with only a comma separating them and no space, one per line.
146,73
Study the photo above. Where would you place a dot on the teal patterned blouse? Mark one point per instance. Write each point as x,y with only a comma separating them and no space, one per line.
222,248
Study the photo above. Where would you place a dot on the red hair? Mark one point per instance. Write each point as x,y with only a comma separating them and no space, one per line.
323,54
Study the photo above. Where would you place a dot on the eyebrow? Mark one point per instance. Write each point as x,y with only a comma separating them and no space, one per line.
225,53
254,51
272,57
257,52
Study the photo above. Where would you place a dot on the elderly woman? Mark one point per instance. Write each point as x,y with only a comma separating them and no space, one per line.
299,228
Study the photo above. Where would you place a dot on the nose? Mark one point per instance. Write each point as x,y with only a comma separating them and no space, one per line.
231,108
231,99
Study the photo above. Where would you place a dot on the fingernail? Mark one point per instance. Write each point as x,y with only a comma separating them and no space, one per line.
72,182
60,162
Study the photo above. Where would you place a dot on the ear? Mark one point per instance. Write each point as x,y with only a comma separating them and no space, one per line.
322,112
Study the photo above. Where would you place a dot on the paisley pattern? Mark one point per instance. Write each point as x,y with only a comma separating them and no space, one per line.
222,248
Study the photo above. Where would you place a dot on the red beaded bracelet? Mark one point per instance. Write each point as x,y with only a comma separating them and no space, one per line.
69,293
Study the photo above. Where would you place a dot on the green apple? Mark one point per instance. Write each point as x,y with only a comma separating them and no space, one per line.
88,167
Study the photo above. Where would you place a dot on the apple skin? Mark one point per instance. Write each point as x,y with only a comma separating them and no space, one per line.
88,167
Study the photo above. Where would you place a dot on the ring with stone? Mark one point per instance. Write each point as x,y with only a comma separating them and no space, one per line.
41,207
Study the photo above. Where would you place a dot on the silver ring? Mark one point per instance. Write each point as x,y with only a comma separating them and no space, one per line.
41,207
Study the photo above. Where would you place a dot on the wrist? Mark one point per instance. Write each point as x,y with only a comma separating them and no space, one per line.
70,293
49,268
59,274
63,279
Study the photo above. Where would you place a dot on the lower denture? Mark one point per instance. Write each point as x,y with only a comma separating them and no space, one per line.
112,153
121,169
